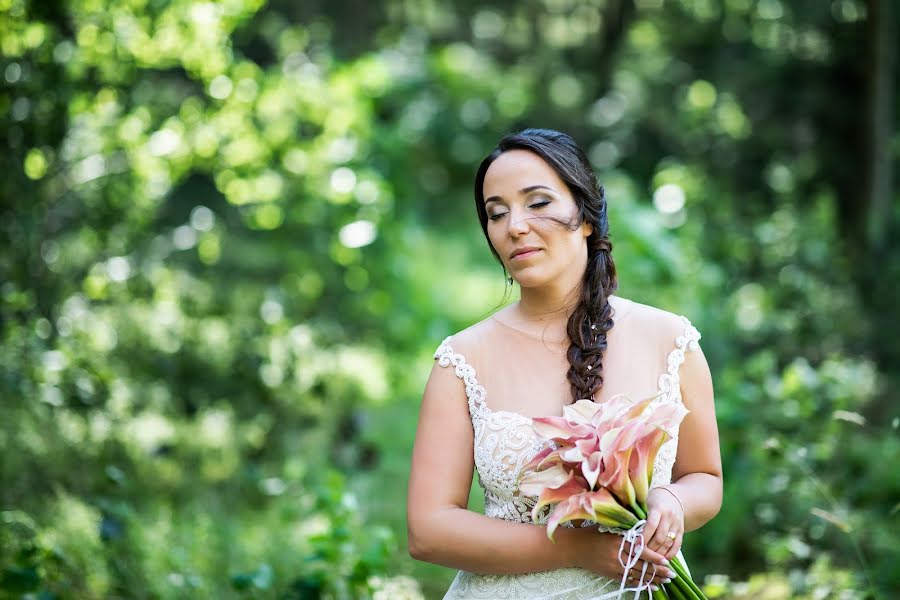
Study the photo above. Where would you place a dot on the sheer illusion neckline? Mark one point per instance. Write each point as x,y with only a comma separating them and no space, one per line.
527,334
625,308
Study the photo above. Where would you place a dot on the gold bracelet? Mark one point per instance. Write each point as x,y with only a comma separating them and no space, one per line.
674,495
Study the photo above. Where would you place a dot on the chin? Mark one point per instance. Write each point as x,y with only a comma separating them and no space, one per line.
531,280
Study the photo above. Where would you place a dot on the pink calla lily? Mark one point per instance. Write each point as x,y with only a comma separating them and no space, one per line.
569,509
534,483
601,465
607,511
614,476
538,461
668,416
591,467
560,429
581,412
640,467
618,409
572,486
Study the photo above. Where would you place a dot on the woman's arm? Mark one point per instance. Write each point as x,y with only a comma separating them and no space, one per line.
441,529
697,474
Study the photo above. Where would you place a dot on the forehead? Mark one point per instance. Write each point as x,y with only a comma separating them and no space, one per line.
515,169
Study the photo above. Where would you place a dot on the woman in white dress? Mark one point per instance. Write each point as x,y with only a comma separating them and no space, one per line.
569,337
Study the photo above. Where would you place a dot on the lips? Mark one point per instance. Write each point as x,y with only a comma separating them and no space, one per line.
525,252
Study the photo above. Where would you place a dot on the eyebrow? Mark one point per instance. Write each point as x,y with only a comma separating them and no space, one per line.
524,190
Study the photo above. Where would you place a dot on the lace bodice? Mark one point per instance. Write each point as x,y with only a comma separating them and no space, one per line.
504,442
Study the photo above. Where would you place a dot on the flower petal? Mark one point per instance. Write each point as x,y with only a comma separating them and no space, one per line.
569,510
590,468
572,455
581,412
535,482
668,415
535,462
635,411
640,468
614,476
558,428
572,487
606,510
611,409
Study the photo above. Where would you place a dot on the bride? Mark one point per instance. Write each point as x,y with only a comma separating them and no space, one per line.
569,337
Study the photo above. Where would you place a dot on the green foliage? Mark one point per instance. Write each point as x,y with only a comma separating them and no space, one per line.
822,580
232,233
226,542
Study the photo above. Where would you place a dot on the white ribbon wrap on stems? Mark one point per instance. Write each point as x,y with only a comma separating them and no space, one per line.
635,538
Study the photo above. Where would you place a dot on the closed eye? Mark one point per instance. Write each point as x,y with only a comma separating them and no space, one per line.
540,204
496,216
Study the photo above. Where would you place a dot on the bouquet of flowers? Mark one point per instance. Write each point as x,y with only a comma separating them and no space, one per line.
599,467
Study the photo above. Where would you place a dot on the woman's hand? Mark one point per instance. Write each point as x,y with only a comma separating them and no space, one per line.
599,553
664,530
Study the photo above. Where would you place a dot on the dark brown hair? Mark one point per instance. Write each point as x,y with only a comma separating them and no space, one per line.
592,318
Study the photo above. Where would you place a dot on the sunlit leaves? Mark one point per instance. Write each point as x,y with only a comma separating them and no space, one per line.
222,246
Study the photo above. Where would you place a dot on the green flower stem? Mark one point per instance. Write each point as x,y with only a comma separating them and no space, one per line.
685,579
660,594
672,589
682,585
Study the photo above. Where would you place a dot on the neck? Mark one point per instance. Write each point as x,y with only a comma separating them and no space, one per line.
547,309
548,305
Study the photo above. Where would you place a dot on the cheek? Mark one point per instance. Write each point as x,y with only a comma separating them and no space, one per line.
496,239
572,245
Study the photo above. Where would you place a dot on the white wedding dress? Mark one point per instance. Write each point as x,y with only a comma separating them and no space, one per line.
645,349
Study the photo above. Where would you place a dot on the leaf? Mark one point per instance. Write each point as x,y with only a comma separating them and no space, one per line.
832,518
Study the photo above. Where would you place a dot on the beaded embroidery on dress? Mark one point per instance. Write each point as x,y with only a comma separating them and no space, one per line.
504,442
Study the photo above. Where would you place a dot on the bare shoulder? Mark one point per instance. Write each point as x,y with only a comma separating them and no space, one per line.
664,321
468,340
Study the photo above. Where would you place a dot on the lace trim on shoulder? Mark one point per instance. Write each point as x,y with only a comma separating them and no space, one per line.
689,340
671,392
474,391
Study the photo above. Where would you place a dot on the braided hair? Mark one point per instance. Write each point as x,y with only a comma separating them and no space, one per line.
592,318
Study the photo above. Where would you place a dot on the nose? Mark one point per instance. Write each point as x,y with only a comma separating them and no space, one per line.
518,224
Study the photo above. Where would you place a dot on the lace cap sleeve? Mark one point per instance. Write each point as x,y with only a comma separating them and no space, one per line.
474,391
686,341
690,339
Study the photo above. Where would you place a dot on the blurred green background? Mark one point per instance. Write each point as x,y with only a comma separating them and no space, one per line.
232,234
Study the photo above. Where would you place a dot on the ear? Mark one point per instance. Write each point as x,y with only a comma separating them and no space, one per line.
587,228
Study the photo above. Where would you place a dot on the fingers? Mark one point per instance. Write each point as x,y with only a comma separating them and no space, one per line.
652,525
660,540
666,538
676,545
657,576
661,562
654,557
